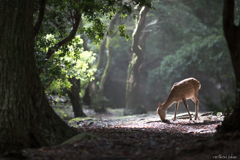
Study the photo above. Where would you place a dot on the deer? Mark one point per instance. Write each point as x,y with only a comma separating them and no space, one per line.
181,91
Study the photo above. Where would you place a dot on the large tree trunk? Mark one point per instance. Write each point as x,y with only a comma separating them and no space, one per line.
26,118
232,35
75,97
133,105
97,91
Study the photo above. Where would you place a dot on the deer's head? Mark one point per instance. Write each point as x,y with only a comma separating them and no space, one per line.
161,112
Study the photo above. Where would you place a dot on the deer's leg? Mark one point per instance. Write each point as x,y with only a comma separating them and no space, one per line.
176,111
196,109
186,106
196,101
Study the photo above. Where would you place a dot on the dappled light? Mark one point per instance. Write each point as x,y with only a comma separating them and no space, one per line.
129,136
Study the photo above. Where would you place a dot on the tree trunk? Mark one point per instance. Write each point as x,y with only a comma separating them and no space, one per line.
133,78
26,118
107,68
73,94
97,91
75,97
86,97
232,35
100,55
96,102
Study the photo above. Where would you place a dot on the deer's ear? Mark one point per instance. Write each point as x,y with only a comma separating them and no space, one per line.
159,104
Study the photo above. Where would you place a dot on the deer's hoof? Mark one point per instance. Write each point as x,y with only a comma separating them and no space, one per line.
165,121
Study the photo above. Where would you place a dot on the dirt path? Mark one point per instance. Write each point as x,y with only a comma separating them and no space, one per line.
144,137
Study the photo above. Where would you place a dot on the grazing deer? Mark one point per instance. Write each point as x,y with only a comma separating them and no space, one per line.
181,91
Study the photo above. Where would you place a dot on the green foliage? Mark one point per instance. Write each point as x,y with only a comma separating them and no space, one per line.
58,85
208,56
191,44
75,62
202,55
95,31
226,103
59,16
69,61
121,29
94,10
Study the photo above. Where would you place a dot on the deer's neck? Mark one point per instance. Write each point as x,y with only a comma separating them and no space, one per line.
168,102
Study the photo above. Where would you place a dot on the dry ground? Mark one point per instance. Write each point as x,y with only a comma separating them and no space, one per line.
112,136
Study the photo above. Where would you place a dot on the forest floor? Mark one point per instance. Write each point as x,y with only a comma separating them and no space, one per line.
142,137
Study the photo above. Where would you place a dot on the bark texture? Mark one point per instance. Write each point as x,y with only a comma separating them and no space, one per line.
232,35
26,118
97,91
134,69
75,97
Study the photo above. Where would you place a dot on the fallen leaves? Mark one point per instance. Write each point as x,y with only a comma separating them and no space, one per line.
140,138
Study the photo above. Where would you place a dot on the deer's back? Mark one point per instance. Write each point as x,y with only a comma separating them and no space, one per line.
186,88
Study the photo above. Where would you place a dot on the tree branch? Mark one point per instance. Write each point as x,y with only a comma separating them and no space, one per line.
138,29
72,34
142,41
111,26
114,34
49,84
38,24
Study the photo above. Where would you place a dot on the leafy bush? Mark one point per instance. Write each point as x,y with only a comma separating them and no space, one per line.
69,61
